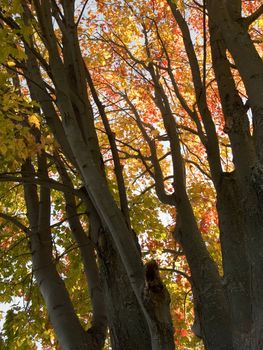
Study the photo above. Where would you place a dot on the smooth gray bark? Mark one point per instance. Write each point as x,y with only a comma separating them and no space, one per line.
87,250
60,309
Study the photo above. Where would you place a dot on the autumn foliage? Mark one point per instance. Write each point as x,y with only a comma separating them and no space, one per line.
154,94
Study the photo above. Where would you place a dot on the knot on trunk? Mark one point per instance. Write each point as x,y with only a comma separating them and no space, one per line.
157,301
153,280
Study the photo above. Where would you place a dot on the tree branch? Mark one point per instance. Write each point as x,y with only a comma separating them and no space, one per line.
254,16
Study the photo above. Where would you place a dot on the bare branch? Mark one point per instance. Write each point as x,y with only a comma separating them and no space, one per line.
254,16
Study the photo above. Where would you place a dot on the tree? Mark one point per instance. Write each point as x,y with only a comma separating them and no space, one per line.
179,103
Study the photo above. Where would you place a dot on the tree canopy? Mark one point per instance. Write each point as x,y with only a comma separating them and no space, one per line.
131,152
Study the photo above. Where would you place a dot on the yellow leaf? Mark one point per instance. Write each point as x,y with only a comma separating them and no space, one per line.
11,64
34,120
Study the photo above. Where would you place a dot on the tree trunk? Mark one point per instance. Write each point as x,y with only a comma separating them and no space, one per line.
247,59
239,202
128,328
157,301
236,278
70,334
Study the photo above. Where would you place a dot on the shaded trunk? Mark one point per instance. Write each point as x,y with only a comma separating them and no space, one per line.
127,323
254,225
229,198
210,301
157,302
236,268
128,328
239,203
